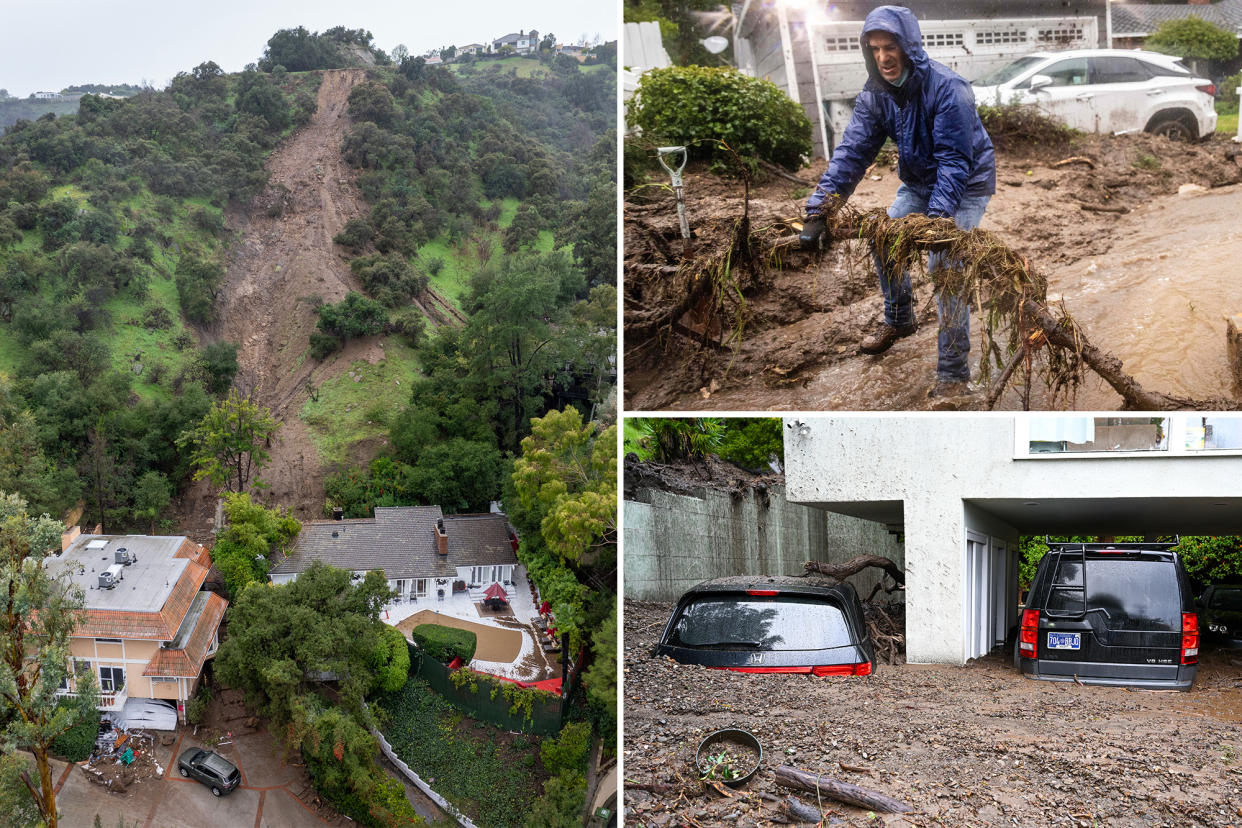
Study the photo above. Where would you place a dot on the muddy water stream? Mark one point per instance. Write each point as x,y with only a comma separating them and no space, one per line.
1159,299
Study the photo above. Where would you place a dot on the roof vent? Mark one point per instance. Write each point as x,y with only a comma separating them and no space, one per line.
335,534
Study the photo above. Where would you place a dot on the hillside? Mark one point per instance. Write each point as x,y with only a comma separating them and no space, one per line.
366,251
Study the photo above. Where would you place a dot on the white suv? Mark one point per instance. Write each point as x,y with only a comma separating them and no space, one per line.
1107,90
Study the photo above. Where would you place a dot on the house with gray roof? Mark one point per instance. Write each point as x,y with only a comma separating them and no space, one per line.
522,43
424,553
1135,21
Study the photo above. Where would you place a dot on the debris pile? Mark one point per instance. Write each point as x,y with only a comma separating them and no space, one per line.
121,758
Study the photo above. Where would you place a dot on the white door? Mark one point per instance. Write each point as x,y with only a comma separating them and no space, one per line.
976,596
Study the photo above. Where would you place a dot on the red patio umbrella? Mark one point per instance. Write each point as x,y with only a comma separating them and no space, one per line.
496,592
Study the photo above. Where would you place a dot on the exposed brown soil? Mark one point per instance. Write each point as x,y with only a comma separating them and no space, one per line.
977,745
800,323
494,644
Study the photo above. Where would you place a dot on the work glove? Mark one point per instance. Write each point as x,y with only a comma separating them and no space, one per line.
814,232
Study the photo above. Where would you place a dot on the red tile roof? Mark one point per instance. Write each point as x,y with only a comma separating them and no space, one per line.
189,661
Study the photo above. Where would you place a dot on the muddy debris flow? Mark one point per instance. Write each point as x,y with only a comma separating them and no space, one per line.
752,323
977,745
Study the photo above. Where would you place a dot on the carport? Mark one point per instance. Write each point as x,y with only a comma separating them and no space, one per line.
962,490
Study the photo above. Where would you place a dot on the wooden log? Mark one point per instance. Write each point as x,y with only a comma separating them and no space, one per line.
842,791
1104,208
855,565
795,810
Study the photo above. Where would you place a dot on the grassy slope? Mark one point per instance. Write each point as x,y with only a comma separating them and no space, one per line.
345,412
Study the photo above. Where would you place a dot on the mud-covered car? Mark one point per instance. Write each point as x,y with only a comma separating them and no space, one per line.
1221,610
770,624
1114,614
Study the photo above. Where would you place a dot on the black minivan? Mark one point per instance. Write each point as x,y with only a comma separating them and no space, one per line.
771,624
1118,614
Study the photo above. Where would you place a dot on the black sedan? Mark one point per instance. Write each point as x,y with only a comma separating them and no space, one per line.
774,624
212,769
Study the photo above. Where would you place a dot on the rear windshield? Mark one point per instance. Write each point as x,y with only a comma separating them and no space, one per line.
1132,594
746,622
1226,599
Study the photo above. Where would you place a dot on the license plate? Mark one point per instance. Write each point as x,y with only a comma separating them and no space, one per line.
1064,641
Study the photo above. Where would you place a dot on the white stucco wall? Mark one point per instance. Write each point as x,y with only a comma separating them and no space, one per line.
944,469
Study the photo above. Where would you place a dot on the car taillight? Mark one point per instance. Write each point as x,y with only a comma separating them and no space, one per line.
1208,89
863,669
1190,638
1029,634
761,592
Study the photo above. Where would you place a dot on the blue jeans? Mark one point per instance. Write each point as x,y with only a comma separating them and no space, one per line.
953,342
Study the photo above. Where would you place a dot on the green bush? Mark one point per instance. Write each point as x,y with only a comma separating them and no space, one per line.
76,743
561,804
568,751
445,643
196,708
699,106
395,658
1193,37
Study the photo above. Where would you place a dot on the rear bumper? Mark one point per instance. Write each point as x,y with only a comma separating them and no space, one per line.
1137,676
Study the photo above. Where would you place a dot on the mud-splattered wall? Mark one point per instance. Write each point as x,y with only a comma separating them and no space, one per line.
673,541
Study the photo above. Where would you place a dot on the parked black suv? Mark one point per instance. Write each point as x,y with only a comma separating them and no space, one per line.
775,624
1118,614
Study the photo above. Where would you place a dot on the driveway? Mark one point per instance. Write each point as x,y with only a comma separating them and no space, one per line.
268,795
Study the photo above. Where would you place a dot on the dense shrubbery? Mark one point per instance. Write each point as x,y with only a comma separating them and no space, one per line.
491,778
254,535
76,743
395,661
703,107
445,643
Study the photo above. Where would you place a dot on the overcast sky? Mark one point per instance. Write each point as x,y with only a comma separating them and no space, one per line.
46,45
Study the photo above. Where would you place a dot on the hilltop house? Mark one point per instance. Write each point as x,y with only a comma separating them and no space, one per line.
472,49
149,627
424,554
523,43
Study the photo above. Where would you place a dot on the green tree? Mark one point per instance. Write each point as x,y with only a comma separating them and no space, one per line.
1193,37
669,440
564,503
285,640
38,613
152,496
751,441
253,537
231,442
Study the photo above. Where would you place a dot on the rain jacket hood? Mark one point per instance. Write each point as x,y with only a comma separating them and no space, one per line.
944,153
902,25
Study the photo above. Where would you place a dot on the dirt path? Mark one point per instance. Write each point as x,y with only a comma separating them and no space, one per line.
975,746
281,258
803,323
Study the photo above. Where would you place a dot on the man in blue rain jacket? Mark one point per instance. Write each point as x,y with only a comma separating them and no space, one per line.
946,165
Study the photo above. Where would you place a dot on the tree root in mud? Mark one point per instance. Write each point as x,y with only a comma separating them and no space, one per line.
1009,294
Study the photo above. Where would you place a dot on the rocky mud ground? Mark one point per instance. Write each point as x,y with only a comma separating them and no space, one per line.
799,323
964,746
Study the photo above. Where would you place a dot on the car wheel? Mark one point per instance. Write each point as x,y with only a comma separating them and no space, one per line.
215,791
1174,129
184,772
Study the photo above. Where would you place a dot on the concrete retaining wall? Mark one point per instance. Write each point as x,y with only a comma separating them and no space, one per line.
673,542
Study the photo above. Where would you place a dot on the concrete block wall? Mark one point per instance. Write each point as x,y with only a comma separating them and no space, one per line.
673,542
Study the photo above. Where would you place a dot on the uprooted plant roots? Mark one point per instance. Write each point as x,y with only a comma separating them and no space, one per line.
1024,337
